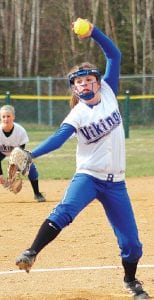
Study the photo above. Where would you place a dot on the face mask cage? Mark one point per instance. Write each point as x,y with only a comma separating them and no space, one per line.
84,72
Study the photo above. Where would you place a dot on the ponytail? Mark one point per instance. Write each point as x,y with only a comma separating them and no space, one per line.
74,101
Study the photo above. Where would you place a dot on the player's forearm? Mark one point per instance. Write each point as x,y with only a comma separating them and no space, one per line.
113,58
1,171
54,141
109,48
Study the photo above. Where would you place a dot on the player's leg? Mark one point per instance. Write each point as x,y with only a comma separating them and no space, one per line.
33,177
2,179
119,211
79,194
47,232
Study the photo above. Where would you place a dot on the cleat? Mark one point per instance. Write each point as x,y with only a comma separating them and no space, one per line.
39,197
26,260
135,288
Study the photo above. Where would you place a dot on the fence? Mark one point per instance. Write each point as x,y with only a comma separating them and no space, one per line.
39,101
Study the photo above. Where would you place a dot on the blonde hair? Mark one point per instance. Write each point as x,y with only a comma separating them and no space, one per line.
85,65
9,108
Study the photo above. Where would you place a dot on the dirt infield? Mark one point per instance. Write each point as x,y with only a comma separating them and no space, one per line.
81,264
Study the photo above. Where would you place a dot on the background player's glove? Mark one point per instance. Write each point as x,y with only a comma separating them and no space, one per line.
19,164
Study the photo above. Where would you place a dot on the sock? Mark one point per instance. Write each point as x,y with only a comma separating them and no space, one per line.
35,186
47,232
130,270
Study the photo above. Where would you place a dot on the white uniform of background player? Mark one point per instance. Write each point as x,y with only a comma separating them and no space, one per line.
14,135
18,137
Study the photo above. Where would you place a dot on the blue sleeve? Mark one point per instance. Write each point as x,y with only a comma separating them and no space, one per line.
113,58
54,141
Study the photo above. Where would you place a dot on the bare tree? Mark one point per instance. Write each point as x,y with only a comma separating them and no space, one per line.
106,16
134,32
4,32
19,38
32,37
37,33
144,11
37,48
144,14
109,20
94,7
7,25
147,38
72,17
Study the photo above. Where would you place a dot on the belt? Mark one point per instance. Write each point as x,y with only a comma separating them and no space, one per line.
106,177
112,177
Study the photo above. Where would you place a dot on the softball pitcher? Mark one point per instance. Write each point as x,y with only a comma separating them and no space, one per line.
96,122
14,135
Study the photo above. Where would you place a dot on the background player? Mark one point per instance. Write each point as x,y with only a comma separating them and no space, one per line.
100,172
14,135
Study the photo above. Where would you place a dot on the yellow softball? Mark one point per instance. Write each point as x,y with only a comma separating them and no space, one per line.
81,26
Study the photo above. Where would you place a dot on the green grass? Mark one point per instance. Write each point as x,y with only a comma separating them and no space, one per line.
60,164
140,152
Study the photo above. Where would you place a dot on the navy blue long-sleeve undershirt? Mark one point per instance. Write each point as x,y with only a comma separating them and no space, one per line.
54,141
111,76
113,58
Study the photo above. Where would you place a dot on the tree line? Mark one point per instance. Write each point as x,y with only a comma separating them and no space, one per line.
36,36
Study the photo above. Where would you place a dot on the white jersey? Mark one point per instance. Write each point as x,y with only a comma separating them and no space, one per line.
17,138
100,134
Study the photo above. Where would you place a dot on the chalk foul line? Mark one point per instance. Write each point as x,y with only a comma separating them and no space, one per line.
71,269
